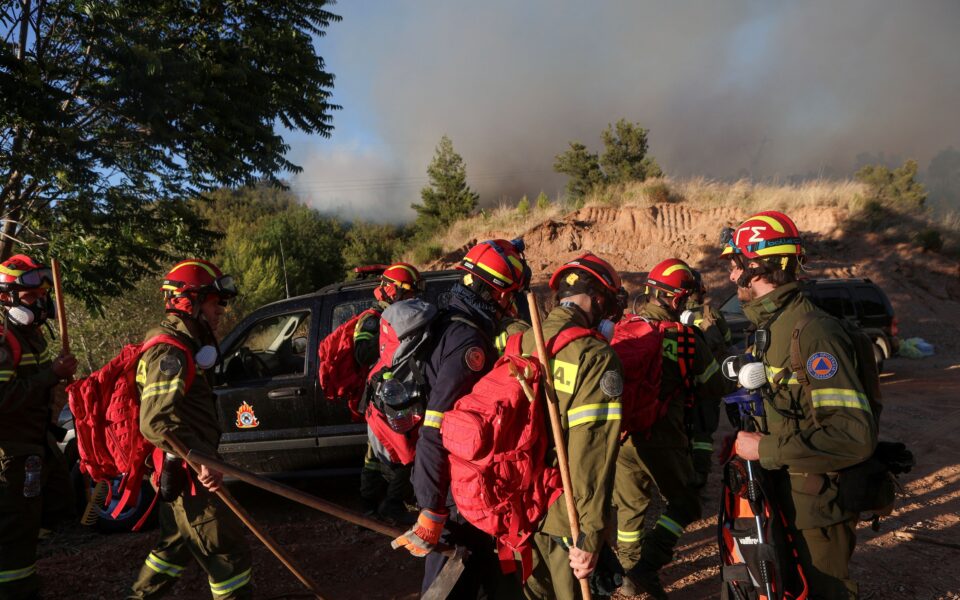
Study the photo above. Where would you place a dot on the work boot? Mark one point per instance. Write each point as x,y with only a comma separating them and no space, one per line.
646,578
628,588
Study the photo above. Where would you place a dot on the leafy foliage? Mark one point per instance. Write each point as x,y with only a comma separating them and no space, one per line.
625,156
114,112
370,243
896,188
583,168
523,207
447,198
624,160
543,202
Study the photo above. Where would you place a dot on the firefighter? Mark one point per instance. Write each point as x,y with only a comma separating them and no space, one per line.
193,521
384,485
462,352
811,435
589,382
690,376
705,416
29,370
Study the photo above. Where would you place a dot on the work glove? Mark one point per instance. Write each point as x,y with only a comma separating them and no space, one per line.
424,535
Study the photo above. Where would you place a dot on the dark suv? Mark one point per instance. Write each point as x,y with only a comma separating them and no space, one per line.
858,300
273,414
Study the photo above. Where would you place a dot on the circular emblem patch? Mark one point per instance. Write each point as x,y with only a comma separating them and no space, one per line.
475,358
611,384
170,365
822,365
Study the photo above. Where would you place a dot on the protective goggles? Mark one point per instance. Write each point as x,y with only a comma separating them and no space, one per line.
225,286
27,280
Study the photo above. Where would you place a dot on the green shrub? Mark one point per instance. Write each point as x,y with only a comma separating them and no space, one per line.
425,253
929,240
523,207
543,202
659,193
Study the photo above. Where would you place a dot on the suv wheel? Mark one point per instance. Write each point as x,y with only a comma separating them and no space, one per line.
878,356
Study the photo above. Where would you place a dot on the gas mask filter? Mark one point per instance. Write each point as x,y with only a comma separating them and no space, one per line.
206,357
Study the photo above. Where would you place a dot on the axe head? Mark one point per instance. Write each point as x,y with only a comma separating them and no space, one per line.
448,576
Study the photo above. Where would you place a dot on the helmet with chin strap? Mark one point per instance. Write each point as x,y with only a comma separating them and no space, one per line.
589,274
20,275
397,282
672,281
496,270
189,283
770,239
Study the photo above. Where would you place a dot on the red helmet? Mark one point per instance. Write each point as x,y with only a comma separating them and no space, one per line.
20,273
499,264
398,280
596,266
672,276
192,278
769,233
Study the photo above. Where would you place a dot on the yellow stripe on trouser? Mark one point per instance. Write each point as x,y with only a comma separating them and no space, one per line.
702,446
590,413
223,588
433,418
629,537
163,567
838,397
6,376
17,574
670,525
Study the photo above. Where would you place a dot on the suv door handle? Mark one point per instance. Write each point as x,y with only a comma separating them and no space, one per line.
289,392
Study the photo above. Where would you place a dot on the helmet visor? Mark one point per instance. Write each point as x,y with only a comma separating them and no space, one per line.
34,278
225,286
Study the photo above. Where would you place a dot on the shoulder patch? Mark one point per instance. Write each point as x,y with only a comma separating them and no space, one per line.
611,383
170,365
475,358
822,365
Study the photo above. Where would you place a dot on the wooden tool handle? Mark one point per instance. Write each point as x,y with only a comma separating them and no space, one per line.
61,310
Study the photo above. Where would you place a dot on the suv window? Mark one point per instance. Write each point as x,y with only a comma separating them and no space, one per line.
870,301
274,346
835,300
344,312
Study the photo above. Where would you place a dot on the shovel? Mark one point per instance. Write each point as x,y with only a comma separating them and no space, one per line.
441,586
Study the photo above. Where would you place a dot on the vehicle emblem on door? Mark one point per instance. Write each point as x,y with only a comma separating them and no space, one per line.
245,417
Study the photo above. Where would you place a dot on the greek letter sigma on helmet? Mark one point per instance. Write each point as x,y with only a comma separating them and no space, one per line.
819,417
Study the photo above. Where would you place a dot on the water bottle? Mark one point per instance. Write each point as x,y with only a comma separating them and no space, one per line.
32,470
392,392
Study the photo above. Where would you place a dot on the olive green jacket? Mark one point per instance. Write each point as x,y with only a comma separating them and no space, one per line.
25,392
589,382
166,406
714,327
707,381
834,427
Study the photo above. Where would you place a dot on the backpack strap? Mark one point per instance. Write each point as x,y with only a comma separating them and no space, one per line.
514,345
562,339
686,350
176,342
16,350
796,361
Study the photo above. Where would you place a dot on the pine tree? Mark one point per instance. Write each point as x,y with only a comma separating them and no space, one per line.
447,198
583,167
625,156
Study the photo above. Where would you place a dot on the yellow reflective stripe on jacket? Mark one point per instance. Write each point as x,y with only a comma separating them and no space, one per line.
362,335
16,574
839,397
223,588
629,537
712,368
6,375
772,372
163,567
564,375
433,418
591,413
500,343
162,387
702,446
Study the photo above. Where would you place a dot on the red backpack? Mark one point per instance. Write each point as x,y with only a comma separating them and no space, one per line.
340,376
498,442
106,417
639,344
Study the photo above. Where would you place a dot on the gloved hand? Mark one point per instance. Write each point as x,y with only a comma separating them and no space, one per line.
424,535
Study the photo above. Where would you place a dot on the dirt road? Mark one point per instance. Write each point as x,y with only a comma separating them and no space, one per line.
922,409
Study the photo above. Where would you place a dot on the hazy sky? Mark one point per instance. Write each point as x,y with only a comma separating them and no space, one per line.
773,88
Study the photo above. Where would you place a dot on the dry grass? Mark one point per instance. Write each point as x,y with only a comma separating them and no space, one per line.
745,194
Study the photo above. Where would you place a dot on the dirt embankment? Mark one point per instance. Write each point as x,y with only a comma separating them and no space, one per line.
923,287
